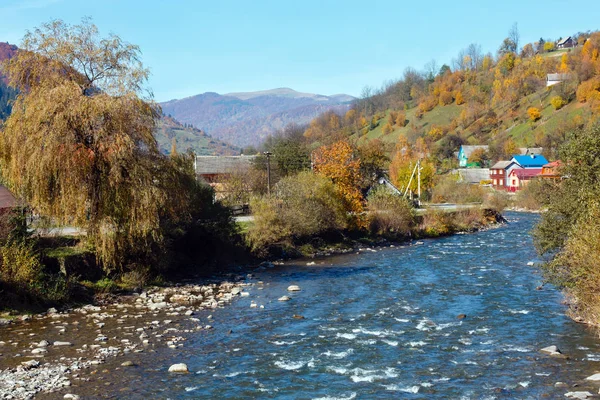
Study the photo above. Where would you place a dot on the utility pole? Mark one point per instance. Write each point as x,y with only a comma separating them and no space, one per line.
268,154
419,182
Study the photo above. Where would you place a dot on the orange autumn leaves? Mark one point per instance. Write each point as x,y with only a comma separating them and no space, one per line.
337,162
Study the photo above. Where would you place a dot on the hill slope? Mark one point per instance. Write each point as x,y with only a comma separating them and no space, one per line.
247,118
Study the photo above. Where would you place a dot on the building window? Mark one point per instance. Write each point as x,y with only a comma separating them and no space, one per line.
495,182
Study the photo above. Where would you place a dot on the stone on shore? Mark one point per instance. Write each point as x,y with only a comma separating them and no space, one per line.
71,396
179,368
293,288
595,378
128,364
43,343
62,344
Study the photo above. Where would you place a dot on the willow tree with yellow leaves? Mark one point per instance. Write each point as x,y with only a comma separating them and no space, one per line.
79,144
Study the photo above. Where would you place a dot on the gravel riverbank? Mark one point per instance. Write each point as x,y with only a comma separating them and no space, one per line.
46,352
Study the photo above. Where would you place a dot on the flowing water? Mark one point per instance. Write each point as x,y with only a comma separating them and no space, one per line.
383,324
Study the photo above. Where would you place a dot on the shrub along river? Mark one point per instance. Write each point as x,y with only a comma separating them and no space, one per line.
383,323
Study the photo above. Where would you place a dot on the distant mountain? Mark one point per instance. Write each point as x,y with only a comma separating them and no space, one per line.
247,118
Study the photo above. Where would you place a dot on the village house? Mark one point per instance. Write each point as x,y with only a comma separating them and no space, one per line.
215,169
566,43
520,177
499,173
553,79
530,161
550,170
465,152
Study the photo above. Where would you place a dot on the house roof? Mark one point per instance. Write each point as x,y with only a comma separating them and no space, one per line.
467,150
526,173
553,164
206,165
530,161
558,77
563,41
7,200
531,150
501,164
473,175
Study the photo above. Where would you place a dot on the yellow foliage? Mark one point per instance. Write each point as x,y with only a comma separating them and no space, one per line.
534,113
337,162
557,102
589,90
564,68
435,133
401,119
445,98
459,98
387,128
549,46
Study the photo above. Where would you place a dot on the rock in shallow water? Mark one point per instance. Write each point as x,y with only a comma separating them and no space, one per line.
128,364
284,298
293,288
179,368
595,377
578,395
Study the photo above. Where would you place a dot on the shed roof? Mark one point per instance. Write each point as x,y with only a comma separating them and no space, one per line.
530,161
531,150
473,175
563,41
501,165
467,150
558,77
206,165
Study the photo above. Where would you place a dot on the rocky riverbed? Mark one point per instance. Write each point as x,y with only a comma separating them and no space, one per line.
47,352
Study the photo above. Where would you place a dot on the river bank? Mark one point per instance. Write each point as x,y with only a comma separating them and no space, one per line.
383,323
50,352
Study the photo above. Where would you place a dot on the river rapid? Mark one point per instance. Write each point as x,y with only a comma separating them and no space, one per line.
383,323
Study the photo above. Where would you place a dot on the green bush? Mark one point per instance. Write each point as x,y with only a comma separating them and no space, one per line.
535,195
449,190
390,214
302,205
20,264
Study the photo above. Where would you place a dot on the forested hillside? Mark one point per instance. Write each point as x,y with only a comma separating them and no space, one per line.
501,100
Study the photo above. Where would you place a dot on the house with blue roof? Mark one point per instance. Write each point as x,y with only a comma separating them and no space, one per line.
530,160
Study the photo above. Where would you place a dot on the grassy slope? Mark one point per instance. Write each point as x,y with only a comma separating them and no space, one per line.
522,131
189,138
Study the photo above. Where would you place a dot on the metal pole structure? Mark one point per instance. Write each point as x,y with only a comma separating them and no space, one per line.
419,182
268,154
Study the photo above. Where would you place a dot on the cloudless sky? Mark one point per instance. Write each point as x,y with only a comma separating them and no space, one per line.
317,46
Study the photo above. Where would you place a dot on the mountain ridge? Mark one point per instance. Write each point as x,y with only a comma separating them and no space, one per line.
247,118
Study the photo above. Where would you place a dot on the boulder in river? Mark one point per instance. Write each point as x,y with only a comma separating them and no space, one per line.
284,298
552,350
293,288
179,368
461,316
578,395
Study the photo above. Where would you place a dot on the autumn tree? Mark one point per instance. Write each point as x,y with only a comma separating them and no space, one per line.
79,144
534,114
337,162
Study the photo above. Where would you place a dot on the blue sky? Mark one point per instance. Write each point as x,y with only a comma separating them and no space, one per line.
319,46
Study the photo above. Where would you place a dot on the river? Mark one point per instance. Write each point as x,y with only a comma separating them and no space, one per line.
381,324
